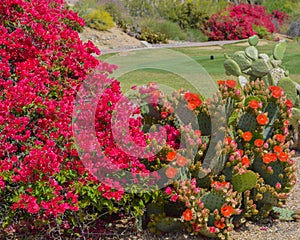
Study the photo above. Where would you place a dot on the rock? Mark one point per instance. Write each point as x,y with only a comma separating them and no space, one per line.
294,30
146,44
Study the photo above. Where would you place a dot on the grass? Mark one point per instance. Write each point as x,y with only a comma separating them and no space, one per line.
214,67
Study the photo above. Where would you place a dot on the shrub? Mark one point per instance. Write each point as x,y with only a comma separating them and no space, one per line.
196,35
187,15
170,29
236,22
94,15
98,19
151,36
261,31
118,13
43,62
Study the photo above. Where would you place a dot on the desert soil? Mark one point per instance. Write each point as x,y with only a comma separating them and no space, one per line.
115,40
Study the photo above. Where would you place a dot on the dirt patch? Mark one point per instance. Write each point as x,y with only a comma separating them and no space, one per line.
113,38
260,43
211,48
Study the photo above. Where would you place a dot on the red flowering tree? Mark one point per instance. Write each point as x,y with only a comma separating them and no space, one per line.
240,22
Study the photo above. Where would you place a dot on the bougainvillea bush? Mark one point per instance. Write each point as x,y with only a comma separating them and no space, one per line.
240,22
43,62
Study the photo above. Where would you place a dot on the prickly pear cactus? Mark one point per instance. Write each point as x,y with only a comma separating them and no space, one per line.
284,214
257,65
245,181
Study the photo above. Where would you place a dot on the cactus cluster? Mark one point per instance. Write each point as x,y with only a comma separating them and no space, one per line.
254,65
251,171
230,159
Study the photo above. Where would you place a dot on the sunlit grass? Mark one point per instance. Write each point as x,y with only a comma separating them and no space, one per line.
202,55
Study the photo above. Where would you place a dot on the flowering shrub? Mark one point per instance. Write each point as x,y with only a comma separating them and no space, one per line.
43,62
281,17
237,21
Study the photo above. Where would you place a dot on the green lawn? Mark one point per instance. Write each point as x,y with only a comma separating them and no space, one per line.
214,67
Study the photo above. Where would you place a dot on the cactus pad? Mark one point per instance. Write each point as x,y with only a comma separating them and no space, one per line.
269,199
272,110
205,123
252,53
289,88
279,50
169,224
232,68
253,40
247,122
242,60
154,209
264,57
260,68
213,200
244,182
295,118
284,214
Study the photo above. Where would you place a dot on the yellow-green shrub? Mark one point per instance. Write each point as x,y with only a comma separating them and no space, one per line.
99,20
94,14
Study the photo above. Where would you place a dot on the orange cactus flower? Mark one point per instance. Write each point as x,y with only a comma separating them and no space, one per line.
198,133
247,136
280,138
278,149
227,211
230,83
254,104
171,156
259,142
262,119
228,140
181,161
269,157
171,172
219,224
246,162
289,103
276,91
283,157
218,184
221,82
187,215
193,100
